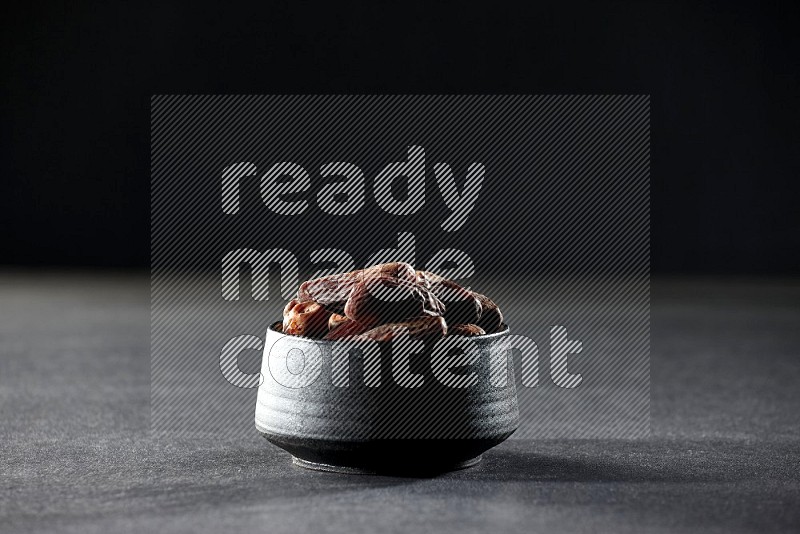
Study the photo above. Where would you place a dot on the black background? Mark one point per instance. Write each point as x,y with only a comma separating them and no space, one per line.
723,77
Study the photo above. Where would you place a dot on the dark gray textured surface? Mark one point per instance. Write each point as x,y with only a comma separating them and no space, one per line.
77,457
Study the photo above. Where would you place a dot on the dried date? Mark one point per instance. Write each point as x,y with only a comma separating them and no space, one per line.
467,330
332,291
345,329
308,319
416,328
461,305
387,300
491,318
382,300
336,320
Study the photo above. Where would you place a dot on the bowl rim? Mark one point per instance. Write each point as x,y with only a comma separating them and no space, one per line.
502,332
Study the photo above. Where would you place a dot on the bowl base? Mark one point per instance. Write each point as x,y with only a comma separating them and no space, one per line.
351,470
398,457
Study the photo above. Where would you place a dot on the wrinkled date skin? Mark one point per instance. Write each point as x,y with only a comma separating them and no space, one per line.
416,328
336,320
467,330
332,291
346,328
380,299
462,306
385,301
307,319
329,291
491,318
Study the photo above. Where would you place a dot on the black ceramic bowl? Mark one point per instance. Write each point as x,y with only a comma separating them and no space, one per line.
382,408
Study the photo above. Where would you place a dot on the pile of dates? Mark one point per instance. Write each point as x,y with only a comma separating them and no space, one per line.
386,301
